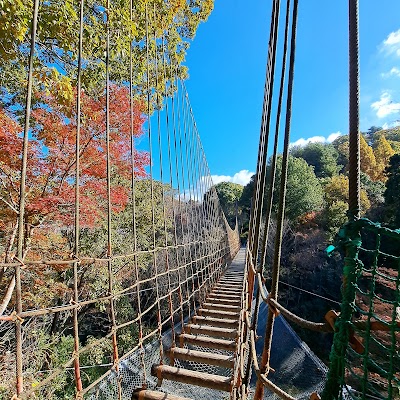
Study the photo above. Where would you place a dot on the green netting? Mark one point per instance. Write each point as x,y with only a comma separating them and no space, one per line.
365,356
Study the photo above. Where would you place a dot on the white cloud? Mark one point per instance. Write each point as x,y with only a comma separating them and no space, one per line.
391,45
393,72
242,177
391,125
333,136
385,106
316,139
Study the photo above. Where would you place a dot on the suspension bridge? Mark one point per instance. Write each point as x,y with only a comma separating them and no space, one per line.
124,243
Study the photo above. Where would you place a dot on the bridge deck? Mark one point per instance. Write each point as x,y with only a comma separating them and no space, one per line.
214,328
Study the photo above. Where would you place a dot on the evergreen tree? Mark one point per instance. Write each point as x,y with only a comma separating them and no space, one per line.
392,193
323,157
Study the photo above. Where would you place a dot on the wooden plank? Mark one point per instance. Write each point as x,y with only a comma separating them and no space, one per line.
142,394
209,342
230,284
211,331
218,306
227,291
203,357
218,313
218,322
211,381
217,293
221,300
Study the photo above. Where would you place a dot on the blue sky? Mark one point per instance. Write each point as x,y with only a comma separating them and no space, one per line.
227,71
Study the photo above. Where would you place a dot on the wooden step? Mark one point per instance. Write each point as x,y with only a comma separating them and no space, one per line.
203,357
218,313
231,280
217,299
218,306
211,331
218,322
217,293
142,394
230,285
227,290
209,342
216,382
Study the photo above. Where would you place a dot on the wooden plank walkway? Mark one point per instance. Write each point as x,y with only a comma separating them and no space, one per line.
214,327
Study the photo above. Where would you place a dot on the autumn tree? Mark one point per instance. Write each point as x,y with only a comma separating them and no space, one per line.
368,163
51,170
170,26
383,152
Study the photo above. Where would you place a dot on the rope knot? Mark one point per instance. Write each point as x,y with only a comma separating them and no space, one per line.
16,318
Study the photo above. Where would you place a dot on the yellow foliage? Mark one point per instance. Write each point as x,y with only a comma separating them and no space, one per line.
337,189
383,152
368,163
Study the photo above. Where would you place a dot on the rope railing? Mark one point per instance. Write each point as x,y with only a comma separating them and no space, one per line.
365,337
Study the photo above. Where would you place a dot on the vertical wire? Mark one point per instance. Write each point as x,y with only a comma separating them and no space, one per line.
153,222
199,192
276,140
172,188
214,222
256,216
272,177
354,112
133,196
184,167
22,194
109,205
171,308
201,179
264,365
214,218
195,168
187,249
192,206
175,120
78,381
261,162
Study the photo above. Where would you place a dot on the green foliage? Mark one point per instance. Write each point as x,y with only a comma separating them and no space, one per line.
229,195
392,193
323,157
304,190
341,144
169,28
336,196
373,189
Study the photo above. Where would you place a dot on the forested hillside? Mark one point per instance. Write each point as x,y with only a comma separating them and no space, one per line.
316,207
